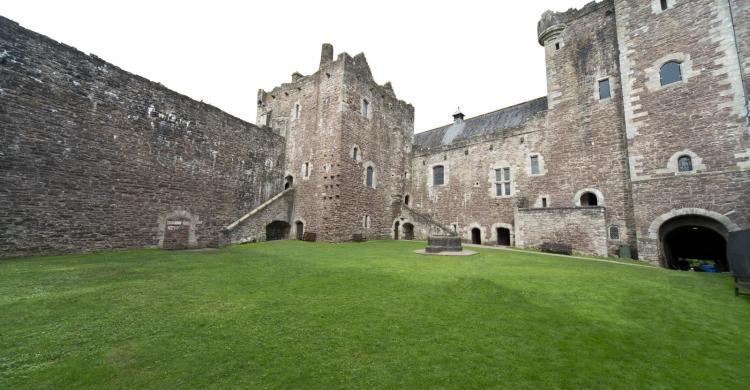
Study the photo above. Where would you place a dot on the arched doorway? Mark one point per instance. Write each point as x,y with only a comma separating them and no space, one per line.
503,236
589,199
300,230
395,230
691,240
408,231
277,230
476,236
288,182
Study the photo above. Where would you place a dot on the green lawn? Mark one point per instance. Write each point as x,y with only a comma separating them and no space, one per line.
299,315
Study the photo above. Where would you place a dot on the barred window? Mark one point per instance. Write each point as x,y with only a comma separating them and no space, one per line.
685,164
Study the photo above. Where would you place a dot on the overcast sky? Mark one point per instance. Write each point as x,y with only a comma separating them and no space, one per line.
479,55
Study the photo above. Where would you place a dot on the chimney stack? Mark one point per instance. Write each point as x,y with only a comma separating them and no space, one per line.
326,54
458,116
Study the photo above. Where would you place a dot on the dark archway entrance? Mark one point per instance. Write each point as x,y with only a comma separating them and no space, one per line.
503,236
288,182
589,199
300,230
476,236
408,231
395,230
277,230
690,240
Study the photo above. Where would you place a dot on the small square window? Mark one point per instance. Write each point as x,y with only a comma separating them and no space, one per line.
557,46
604,89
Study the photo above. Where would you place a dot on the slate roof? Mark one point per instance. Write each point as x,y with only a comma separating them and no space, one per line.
492,122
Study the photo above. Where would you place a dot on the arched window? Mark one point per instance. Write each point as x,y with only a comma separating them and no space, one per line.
355,153
370,177
614,233
589,199
670,73
288,182
438,175
366,222
685,164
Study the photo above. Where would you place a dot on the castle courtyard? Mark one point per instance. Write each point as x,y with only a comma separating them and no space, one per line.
289,314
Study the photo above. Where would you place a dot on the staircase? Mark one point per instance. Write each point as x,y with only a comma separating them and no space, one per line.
258,209
428,220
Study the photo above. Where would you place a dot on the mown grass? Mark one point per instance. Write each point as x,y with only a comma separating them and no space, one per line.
373,315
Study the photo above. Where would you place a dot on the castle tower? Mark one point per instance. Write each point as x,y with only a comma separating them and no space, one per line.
685,109
584,118
348,141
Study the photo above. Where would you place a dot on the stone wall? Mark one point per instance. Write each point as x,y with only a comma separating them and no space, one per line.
703,116
94,158
584,229
252,228
321,115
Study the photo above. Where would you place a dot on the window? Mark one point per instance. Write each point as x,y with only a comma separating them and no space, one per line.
557,46
438,175
296,111
670,73
370,177
365,107
604,90
366,222
307,170
534,165
664,5
685,164
355,153
614,233
502,182
544,203
406,200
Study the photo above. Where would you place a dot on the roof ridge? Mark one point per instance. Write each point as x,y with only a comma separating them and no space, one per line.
482,115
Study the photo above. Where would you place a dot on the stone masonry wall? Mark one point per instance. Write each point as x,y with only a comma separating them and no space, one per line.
321,116
583,228
95,158
703,116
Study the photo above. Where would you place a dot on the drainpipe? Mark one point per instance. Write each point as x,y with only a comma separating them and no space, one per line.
739,62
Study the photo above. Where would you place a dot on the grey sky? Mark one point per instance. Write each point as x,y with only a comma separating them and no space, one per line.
481,55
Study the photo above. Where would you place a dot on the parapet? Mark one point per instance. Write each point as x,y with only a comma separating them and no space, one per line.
552,23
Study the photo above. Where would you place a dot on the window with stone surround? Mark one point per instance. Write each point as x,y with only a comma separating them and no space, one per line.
355,153
685,164
370,177
438,175
306,169
503,182
534,164
605,91
365,107
614,233
366,222
670,73
664,5
296,111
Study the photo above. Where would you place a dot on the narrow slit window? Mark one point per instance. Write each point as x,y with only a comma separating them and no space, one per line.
307,169
604,89
355,154
544,203
365,107
296,111
664,5
370,177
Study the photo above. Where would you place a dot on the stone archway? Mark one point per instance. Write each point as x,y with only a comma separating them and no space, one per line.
277,230
408,231
693,237
300,230
476,236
